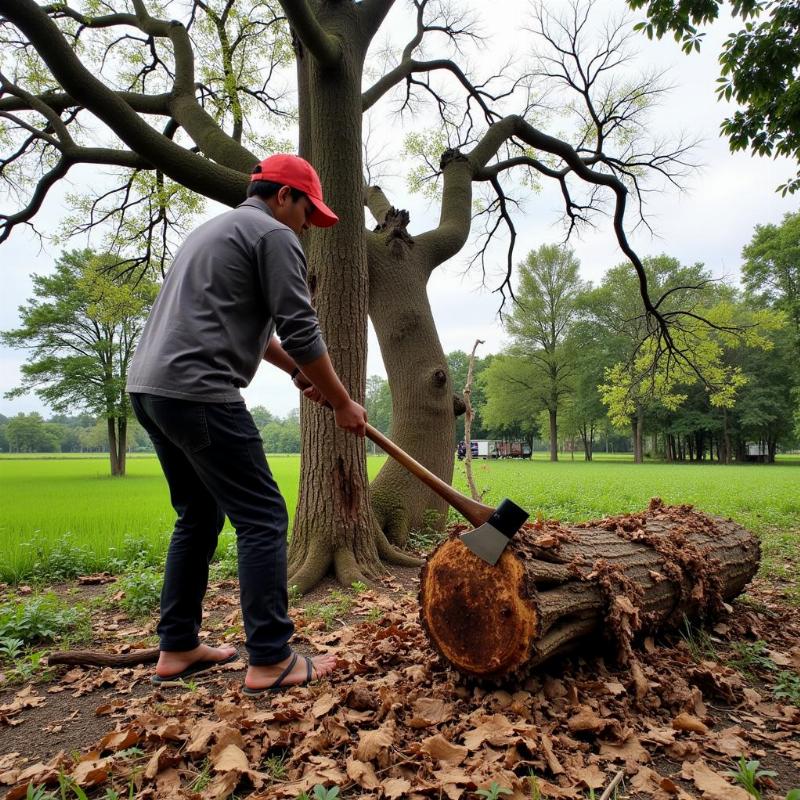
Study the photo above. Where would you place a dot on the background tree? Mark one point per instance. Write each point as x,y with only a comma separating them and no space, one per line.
261,416
590,356
379,403
771,270
764,410
178,97
29,433
760,68
282,435
640,380
82,327
612,308
512,399
539,326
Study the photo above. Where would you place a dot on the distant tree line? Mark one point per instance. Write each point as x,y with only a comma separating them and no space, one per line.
579,372
581,358
32,433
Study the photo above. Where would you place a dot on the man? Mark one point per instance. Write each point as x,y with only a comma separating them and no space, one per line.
235,280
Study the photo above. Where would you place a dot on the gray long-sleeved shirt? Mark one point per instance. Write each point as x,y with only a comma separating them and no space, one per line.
234,281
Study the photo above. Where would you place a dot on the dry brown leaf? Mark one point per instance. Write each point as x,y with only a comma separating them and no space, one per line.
586,721
91,773
729,742
496,730
640,683
662,736
374,745
363,773
711,784
630,751
395,787
592,777
430,711
321,769
781,659
687,722
323,705
168,784
230,757
554,688
152,768
9,776
442,751
226,735
119,740
7,760
646,780
201,736
222,786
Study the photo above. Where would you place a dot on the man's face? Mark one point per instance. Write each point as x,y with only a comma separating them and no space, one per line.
295,214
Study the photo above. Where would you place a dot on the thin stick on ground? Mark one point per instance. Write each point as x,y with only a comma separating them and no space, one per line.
609,790
468,424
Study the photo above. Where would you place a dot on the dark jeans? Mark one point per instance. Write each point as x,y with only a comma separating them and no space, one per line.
214,463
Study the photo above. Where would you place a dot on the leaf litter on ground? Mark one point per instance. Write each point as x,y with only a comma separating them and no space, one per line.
395,722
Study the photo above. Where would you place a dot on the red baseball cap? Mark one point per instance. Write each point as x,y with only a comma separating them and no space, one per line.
290,170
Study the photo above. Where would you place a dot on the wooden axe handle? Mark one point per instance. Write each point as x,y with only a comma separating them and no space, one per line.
477,513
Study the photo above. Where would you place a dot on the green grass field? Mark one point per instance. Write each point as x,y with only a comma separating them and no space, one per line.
53,505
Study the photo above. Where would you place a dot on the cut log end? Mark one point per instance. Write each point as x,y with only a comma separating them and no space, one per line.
557,588
476,613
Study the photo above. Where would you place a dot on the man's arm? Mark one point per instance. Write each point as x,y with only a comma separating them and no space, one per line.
278,357
320,374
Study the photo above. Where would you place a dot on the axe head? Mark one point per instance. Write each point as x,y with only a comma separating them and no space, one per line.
490,539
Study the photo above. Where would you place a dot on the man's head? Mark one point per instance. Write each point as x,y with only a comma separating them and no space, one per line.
291,188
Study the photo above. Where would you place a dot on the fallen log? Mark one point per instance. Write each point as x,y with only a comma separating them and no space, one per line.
97,658
557,588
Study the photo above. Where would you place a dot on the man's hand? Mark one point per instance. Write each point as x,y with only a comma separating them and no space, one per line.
352,417
314,395
308,389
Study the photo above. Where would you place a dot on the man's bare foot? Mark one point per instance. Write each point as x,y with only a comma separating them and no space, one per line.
171,664
262,677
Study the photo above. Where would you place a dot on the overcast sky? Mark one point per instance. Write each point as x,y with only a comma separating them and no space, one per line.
710,222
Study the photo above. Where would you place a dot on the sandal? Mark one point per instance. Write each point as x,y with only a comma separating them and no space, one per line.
277,684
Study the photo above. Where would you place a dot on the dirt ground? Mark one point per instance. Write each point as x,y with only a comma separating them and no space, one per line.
395,722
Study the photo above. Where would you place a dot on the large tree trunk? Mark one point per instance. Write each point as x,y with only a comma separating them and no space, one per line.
423,406
423,419
557,587
334,527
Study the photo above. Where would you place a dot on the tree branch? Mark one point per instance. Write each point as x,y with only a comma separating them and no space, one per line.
323,47
373,12
194,172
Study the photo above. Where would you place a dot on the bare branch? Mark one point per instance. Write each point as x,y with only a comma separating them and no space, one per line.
202,175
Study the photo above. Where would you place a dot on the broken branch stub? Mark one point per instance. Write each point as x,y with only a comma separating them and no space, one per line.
558,587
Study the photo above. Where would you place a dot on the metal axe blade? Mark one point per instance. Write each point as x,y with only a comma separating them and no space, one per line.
490,539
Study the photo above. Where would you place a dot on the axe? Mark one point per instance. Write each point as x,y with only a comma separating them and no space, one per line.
494,527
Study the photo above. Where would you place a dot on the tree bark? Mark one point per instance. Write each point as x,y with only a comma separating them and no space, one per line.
334,527
423,418
556,588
